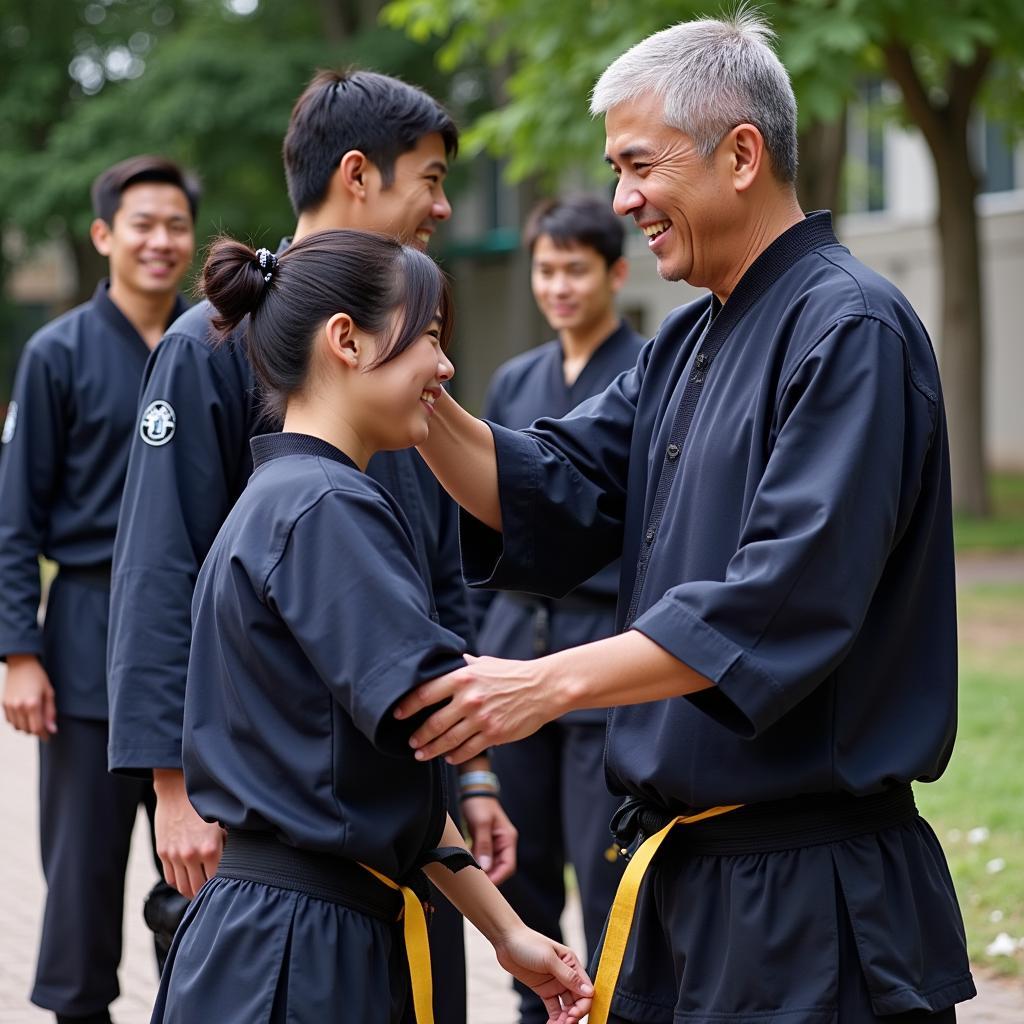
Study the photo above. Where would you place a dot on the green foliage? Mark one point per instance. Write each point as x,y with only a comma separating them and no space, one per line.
211,88
547,56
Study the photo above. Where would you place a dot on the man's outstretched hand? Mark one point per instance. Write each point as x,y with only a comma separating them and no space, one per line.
491,701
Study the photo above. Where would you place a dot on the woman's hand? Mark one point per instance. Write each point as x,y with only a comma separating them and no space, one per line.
552,970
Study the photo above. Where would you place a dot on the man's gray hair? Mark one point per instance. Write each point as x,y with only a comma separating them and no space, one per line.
712,75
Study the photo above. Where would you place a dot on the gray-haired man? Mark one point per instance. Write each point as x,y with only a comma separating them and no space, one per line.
774,472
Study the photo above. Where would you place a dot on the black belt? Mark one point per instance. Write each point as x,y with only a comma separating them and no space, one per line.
262,857
771,826
97,574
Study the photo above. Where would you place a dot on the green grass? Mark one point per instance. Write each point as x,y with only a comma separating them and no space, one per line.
984,784
1005,530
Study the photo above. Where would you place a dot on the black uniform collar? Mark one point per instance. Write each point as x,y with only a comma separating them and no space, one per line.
274,446
813,232
620,336
111,312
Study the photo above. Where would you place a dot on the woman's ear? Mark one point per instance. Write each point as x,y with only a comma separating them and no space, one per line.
343,342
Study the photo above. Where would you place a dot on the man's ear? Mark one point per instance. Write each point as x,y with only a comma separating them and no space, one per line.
617,273
99,232
747,156
351,173
343,342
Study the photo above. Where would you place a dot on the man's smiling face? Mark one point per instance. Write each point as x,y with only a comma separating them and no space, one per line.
669,189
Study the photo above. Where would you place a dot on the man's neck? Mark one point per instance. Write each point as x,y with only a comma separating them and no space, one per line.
579,345
326,218
769,222
148,314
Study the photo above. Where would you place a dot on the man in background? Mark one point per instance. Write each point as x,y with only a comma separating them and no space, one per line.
66,444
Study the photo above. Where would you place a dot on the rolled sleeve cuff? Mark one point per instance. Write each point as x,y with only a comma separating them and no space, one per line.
387,685
745,698
140,762
487,560
27,643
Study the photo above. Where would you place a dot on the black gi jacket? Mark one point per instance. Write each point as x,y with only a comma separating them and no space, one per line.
797,542
311,619
66,447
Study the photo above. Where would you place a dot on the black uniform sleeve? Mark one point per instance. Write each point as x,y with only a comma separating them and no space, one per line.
451,595
820,529
348,587
480,599
176,497
29,474
563,497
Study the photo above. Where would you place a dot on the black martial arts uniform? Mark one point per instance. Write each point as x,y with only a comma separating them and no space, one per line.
311,619
182,481
66,452
775,475
564,759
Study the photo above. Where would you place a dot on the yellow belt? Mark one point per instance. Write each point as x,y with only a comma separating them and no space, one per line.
417,949
620,920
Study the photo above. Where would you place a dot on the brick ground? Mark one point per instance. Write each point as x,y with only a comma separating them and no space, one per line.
491,1001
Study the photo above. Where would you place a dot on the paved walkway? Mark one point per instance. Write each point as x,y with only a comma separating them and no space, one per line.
1004,567
21,897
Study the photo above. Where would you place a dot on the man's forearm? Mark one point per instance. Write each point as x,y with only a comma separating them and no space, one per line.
626,669
492,700
460,452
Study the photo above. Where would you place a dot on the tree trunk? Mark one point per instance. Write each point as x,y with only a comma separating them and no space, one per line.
944,127
822,148
962,357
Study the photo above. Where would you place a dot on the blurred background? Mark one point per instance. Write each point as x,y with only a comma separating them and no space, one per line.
911,117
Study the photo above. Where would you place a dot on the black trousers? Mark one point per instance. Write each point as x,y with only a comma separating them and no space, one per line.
847,930
553,789
86,817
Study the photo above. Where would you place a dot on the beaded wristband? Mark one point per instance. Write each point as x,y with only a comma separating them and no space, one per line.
470,780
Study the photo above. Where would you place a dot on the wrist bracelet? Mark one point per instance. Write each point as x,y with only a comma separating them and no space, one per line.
470,780
469,793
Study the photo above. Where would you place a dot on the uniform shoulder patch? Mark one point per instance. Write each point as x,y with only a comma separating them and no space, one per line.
157,424
10,424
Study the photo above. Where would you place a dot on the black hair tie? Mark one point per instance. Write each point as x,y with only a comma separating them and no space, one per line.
267,262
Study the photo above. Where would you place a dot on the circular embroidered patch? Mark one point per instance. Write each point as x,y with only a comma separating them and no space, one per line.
157,424
10,424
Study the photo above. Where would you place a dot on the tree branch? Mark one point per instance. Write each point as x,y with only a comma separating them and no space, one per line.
929,118
963,83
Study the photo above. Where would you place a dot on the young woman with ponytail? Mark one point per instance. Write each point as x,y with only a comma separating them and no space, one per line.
311,620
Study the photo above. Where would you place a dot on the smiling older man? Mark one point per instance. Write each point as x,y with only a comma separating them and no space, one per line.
774,473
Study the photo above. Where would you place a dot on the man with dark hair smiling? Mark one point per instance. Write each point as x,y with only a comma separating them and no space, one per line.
66,452
363,150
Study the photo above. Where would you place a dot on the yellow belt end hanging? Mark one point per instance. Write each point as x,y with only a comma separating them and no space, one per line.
417,949
620,919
